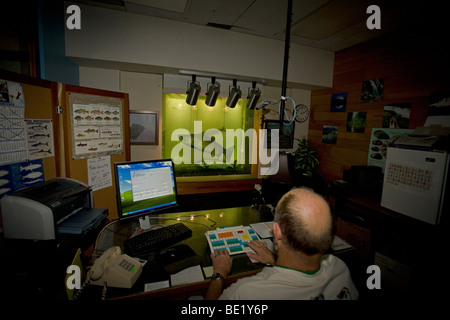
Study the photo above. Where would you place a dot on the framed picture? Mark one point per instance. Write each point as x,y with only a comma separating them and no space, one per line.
338,102
286,134
329,134
356,121
144,127
372,90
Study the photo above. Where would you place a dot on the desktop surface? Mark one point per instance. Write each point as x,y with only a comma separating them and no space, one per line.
199,222
153,271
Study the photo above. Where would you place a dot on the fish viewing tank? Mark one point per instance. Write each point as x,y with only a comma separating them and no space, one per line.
199,139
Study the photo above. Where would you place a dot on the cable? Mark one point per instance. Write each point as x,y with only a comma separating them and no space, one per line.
105,287
294,113
101,231
270,101
79,291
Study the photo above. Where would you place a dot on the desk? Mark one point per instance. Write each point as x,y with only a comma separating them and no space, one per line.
116,233
401,246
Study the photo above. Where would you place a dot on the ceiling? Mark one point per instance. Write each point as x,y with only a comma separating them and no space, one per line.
327,24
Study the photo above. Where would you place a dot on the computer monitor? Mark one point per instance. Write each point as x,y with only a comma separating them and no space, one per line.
144,187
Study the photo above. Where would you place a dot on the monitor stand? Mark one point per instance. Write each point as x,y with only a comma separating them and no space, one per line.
144,222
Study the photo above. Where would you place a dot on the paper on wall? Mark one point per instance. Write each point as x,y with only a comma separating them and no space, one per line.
39,138
96,126
12,125
99,172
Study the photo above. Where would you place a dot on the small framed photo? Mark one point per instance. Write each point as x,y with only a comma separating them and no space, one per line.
372,90
338,102
144,127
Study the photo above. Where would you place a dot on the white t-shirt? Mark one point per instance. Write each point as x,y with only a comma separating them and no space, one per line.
332,281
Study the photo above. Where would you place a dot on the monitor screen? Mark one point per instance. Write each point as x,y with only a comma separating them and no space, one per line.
144,186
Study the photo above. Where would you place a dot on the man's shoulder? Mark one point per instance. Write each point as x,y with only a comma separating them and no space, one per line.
332,260
334,265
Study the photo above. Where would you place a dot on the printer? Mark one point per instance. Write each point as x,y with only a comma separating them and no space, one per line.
60,206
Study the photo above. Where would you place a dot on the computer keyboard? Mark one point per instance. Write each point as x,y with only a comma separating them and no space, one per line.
156,239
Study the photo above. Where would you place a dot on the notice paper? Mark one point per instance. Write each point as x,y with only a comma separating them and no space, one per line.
99,172
156,285
263,229
208,271
188,275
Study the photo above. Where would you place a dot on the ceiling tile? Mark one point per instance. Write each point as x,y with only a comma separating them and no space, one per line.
172,5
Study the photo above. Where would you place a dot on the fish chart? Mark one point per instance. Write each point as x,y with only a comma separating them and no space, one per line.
16,176
39,138
96,129
233,239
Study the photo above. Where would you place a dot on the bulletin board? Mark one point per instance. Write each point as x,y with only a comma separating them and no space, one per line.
50,111
27,103
96,131
40,105
38,99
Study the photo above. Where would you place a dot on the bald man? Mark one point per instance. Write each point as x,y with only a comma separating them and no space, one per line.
303,232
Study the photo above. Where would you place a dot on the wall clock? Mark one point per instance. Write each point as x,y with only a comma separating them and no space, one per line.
302,113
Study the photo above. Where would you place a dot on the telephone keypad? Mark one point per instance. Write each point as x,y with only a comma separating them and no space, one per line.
127,265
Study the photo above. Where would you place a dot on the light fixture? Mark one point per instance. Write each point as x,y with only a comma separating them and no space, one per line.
253,96
234,95
193,90
222,76
212,92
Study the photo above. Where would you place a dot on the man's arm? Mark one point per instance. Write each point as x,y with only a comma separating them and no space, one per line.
222,263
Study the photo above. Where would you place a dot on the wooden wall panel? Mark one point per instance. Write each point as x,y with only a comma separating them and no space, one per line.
40,103
413,67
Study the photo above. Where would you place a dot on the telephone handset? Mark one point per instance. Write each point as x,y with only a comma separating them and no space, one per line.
115,269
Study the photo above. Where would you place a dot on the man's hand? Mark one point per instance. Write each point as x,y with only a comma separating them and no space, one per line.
263,254
222,262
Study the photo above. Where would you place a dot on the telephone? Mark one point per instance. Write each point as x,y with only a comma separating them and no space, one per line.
115,269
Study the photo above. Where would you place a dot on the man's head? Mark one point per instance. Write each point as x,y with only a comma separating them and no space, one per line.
305,220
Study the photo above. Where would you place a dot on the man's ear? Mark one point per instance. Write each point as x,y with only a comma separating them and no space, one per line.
277,235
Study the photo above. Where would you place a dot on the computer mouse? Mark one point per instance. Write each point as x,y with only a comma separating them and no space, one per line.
169,254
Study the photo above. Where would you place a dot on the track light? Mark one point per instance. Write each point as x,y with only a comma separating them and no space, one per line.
234,95
193,90
253,96
212,92
263,104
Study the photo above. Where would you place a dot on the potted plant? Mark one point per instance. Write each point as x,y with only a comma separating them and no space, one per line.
305,164
305,157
